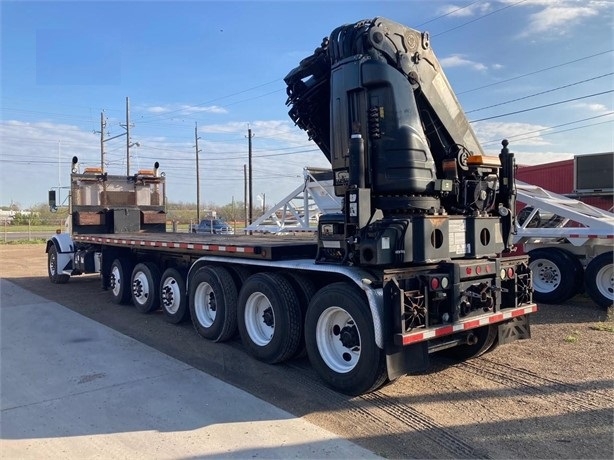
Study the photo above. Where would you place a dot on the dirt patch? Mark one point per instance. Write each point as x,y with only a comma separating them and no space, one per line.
548,397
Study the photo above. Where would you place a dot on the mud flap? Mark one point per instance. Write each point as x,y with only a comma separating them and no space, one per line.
405,360
517,328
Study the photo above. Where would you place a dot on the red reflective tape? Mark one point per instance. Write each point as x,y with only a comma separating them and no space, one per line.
442,331
575,235
166,244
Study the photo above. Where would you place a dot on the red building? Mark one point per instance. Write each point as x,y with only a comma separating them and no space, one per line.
588,178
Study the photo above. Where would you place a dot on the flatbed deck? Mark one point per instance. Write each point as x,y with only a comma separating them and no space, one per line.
198,244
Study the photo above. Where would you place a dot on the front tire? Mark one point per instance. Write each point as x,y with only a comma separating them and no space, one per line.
599,279
269,317
213,303
52,267
340,340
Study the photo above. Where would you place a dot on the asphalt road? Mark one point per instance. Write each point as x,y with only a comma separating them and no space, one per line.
14,236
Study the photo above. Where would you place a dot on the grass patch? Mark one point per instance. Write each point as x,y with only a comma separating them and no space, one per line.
24,241
33,228
573,337
605,327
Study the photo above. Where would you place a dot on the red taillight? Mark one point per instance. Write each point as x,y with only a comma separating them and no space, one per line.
434,283
468,270
510,272
478,269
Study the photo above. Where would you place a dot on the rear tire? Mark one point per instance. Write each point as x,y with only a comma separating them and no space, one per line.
269,317
145,287
305,290
486,337
119,280
340,340
173,298
213,303
554,274
52,267
599,279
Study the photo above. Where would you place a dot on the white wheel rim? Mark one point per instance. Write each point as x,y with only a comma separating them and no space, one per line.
115,281
338,340
259,319
140,288
171,295
205,305
546,275
605,281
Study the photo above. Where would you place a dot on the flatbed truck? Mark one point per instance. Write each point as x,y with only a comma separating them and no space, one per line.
412,265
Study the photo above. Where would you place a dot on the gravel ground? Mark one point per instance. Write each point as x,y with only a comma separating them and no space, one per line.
548,397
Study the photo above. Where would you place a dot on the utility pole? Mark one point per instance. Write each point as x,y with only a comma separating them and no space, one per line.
127,136
103,125
245,193
197,175
249,156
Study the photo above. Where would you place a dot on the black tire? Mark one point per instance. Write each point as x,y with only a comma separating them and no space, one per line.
145,287
119,280
340,340
213,303
599,279
305,290
485,337
173,298
239,275
554,275
52,267
269,318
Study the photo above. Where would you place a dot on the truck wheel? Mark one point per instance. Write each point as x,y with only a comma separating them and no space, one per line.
599,279
340,340
213,300
554,275
269,317
145,284
305,290
239,275
52,267
119,280
484,338
173,297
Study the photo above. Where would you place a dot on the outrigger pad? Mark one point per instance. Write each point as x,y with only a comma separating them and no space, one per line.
517,328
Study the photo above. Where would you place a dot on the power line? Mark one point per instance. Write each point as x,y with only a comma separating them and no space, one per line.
456,10
540,93
496,141
213,100
480,17
542,106
535,72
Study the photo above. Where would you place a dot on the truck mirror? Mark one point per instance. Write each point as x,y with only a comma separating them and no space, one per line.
52,203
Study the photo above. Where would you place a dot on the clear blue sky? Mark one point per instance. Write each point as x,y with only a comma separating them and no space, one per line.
221,65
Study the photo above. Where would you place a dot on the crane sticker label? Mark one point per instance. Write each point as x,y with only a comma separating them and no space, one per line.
458,243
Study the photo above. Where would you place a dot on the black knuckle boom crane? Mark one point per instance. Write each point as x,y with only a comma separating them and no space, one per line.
419,260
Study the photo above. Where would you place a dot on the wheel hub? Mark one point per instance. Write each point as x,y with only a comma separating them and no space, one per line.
212,305
137,288
167,296
349,337
268,317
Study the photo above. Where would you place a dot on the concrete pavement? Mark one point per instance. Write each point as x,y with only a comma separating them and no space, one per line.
73,388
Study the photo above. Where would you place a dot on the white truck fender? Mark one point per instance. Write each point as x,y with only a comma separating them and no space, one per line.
62,241
65,251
